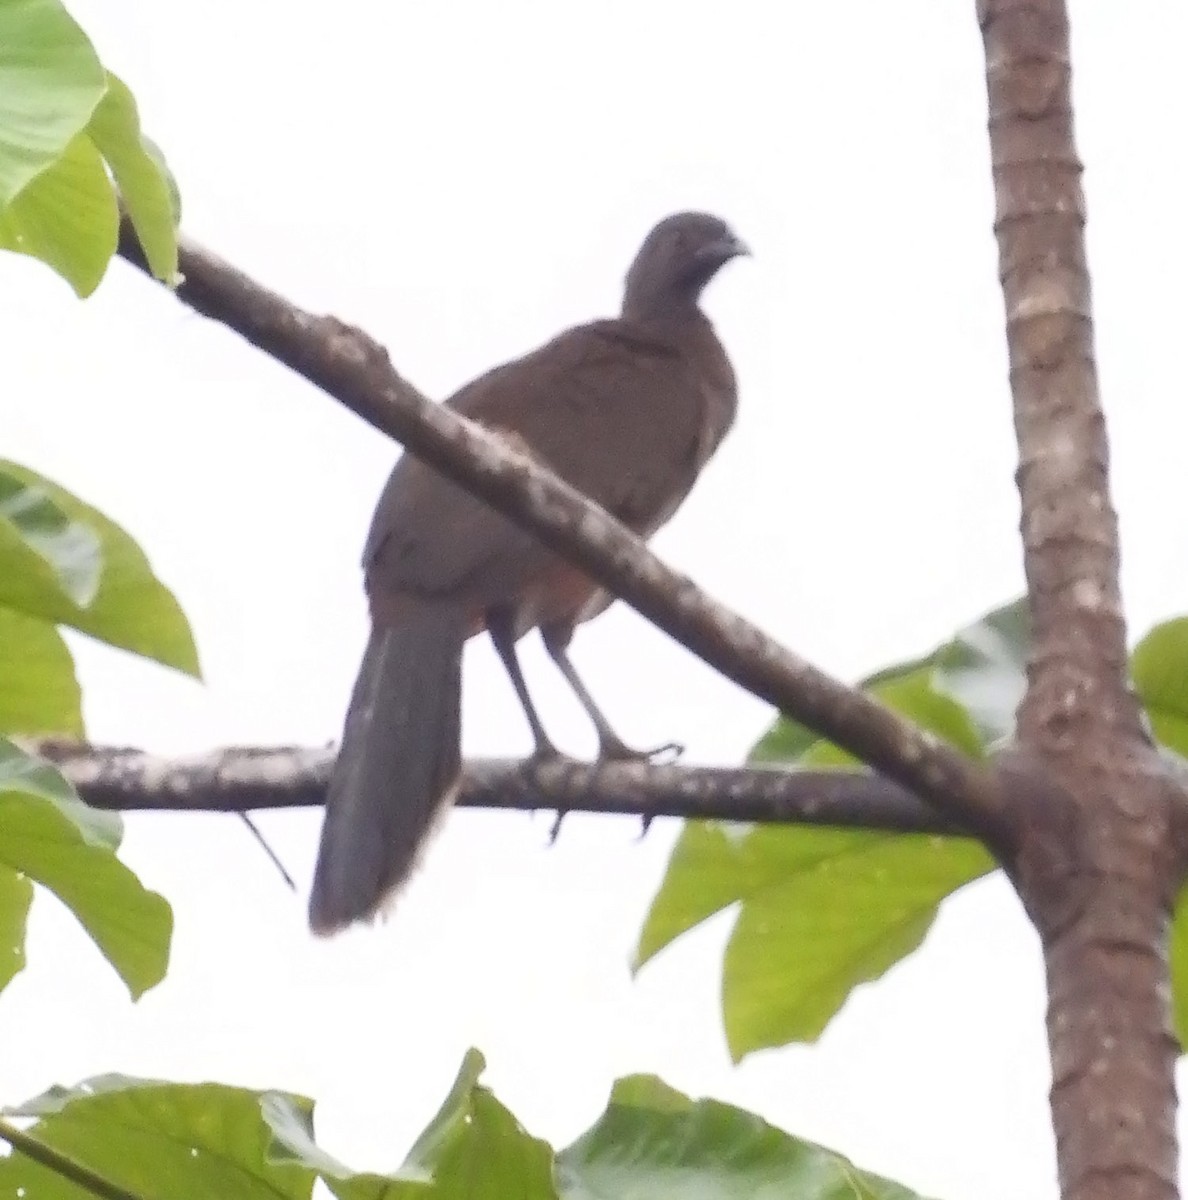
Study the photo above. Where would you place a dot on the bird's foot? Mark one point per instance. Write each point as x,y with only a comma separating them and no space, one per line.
612,749
545,753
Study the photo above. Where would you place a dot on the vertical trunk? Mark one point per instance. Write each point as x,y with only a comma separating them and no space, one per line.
1103,917
1070,532
1092,856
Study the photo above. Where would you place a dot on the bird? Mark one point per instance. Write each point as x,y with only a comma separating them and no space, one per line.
628,410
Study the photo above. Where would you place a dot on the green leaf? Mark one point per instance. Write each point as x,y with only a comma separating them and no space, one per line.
39,692
984,668
40,542
205,1140
473,1149
16,894
291,1134
140,175
787,741
914,695
821,911
66,216
654,1143
802,945
48,835
712,866
64,122
50,82
195,1141
981,672
158,156
291,1122
132,608
1159,670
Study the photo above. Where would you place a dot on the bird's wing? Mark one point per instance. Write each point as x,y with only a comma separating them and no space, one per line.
616,413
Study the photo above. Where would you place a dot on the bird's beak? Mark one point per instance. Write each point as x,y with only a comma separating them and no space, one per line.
738,248
727,247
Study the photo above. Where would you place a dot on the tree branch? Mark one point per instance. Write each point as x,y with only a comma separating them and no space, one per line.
246,778
353,369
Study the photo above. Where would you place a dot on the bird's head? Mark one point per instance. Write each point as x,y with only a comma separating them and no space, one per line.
677,259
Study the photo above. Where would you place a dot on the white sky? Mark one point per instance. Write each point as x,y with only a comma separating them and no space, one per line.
463,180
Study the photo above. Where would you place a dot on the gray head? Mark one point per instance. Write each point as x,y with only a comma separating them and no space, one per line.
678,258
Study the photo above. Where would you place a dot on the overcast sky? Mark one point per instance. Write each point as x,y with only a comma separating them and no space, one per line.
464,179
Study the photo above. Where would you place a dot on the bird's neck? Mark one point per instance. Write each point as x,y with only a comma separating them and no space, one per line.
661,308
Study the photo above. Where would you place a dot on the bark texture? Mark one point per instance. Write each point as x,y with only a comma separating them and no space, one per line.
249,778
1093,807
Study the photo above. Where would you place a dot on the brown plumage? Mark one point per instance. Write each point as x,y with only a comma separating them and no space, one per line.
628,411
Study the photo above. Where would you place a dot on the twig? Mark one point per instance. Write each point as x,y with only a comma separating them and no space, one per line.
269,852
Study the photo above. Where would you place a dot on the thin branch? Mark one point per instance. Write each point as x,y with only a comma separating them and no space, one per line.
269,852
247,778
1070,531
355,370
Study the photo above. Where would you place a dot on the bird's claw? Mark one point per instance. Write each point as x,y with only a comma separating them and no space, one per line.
617,751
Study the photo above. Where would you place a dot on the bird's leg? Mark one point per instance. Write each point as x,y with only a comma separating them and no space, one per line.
556,638
501,627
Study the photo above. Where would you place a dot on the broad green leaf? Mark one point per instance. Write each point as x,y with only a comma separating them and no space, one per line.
39,692
1159,670
914,695
713,865
48,835
66,216
801,946
787,741
204,1140
293,1141
984,668
157,155
16,894
40,543
132,608
291,1135
653,1143
981,670
450,1119
820,911
194,1141
138,169
473,1149
50,82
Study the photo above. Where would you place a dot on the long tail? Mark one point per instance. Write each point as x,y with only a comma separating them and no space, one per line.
397,767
